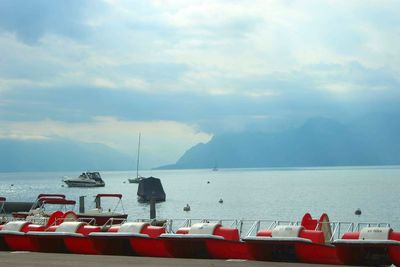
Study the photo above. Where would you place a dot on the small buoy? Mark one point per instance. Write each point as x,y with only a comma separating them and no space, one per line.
357,212
124,182
220,200
208,182
12,184
187,208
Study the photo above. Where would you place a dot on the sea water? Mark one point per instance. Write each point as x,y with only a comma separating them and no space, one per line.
284,194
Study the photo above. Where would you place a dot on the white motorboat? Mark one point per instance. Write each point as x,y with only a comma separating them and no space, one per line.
86,179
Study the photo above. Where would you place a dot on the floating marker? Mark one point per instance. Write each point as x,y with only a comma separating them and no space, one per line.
357,212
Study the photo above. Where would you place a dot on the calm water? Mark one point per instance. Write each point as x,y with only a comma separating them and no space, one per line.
247,193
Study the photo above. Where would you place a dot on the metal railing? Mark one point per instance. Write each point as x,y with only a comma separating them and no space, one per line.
251,227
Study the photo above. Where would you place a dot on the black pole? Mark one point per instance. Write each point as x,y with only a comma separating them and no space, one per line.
82,204
152,207
97,201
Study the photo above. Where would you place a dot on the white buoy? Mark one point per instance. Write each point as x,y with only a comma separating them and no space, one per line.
187,208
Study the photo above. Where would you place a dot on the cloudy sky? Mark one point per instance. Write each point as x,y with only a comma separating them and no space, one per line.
180,71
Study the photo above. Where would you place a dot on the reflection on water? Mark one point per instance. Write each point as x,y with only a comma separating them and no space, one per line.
247,193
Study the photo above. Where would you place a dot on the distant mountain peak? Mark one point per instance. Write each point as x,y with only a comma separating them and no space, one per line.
318,142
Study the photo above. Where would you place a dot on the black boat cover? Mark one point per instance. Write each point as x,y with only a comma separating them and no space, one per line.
150,187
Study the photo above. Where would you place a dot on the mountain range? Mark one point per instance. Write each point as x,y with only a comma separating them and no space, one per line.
59,155
371,140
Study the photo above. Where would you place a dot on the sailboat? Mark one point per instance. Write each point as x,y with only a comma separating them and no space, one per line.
138,178
215,167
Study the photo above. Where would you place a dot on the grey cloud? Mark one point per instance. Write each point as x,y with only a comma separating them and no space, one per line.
153,72
30,20
298,98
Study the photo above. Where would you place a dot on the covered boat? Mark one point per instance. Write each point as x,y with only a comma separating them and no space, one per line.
150,188
86,179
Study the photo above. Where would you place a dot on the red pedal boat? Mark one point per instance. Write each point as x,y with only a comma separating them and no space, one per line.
371,246
59,238
206,240
14,233
308,242
131,238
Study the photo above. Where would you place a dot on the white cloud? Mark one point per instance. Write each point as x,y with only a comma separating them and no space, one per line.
232,48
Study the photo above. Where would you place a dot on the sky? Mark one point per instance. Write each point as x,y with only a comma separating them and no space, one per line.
181,71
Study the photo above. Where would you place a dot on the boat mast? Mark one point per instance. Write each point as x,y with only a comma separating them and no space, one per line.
137,160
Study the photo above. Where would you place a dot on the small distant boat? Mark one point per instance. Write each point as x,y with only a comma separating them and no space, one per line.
215,167
86,179
135,180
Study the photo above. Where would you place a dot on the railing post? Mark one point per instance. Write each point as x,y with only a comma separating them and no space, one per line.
152,208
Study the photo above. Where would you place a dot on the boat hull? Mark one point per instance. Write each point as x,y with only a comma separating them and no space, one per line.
80,184
293,251
18,242
80,245
112,245
227,249
48,243
364,254
206,248
149,247
187,247
3,245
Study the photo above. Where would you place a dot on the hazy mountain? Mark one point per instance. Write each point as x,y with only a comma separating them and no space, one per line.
59,155
372,140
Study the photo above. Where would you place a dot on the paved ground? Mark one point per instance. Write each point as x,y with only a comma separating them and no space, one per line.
30,259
